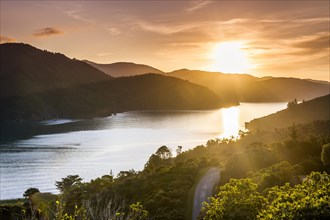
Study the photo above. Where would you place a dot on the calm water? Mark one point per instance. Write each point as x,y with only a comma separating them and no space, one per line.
50,150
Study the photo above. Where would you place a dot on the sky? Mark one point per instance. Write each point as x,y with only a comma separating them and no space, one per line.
263,38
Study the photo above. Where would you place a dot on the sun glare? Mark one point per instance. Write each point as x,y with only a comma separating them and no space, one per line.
229,57
230,119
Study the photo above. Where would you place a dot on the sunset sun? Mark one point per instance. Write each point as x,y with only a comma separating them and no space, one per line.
230,57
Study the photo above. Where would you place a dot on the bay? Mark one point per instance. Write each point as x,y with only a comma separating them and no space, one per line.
38,154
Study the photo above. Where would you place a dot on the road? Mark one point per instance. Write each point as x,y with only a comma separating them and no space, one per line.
204,189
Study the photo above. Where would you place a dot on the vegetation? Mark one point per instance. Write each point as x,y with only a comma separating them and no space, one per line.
305,112
292,104
29,192
309,200
268,174
239,199
325,155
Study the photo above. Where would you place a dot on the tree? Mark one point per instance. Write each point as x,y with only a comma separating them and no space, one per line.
72,190
68,182
29,192
179,150
325,155
238,199
292,103
293,132
309,200
164,152
277,175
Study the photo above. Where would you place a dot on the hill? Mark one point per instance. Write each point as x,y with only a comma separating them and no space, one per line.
247,88
315,109
28,70
38,84
124,68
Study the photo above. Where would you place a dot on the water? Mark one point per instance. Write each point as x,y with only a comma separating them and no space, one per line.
38,154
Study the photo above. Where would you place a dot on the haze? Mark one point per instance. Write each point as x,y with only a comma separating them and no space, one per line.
277,38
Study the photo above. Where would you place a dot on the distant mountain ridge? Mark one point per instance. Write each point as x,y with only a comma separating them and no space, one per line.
37,85
120,69
233,87
247,88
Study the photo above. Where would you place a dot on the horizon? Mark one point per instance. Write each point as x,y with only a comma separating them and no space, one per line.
183,68
278,39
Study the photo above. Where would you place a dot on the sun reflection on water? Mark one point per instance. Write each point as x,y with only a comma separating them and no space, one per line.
230,121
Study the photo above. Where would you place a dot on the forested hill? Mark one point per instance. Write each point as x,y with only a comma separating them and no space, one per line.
247,88
27,70
124,68
315,109
37,84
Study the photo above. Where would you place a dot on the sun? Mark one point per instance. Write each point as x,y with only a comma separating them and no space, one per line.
230,57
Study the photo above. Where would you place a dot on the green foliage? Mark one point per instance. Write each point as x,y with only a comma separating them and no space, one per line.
254,157
159,159
309,200
14,209
163,189
29,192
137,212
238,199
277,175
178,150
325,154
167,189
43,205
72,190
293,132
294,151
164,153
68,182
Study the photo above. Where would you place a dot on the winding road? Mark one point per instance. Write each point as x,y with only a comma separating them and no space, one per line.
204,189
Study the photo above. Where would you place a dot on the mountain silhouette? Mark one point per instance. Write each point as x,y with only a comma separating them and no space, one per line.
124,68
37,84
247,88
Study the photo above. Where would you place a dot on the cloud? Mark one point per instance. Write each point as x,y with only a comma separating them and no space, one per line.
48,31
5,39
320,42
164,29
312,45
113,30
195,5
77,14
